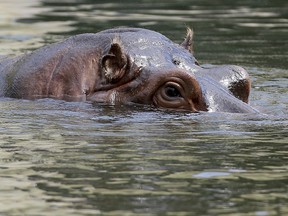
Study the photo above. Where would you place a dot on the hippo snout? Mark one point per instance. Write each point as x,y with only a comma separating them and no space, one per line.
234,79
226,88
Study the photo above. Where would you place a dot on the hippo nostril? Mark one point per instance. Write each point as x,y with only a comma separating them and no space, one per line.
176,61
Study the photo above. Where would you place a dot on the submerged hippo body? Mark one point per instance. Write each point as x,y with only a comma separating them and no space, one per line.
122,66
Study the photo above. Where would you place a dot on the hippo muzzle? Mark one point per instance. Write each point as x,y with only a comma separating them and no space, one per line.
226,89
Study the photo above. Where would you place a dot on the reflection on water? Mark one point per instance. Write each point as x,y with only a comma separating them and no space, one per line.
17,36
65,158
250,33
73,157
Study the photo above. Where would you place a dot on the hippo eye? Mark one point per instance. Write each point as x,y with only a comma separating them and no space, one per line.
173,92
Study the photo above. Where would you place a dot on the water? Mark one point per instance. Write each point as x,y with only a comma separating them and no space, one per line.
60,158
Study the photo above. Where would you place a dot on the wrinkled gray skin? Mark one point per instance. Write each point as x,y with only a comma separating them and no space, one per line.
123,66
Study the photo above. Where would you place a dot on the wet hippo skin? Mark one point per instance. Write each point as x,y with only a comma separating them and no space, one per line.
123,66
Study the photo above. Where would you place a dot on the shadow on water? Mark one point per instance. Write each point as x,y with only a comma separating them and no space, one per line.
82,159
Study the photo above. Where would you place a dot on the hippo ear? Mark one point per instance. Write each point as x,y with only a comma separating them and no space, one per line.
188,41
114,63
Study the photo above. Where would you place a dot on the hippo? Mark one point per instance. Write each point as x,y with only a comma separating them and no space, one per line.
126,66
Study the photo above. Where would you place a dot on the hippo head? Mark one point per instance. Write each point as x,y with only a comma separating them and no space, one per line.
124,81
147,68
126,65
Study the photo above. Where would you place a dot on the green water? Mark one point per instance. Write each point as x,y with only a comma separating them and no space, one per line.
61,158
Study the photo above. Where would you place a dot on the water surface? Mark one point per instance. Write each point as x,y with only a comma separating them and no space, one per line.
61,158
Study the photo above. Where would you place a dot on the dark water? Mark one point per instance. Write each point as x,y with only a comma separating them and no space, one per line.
60,158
